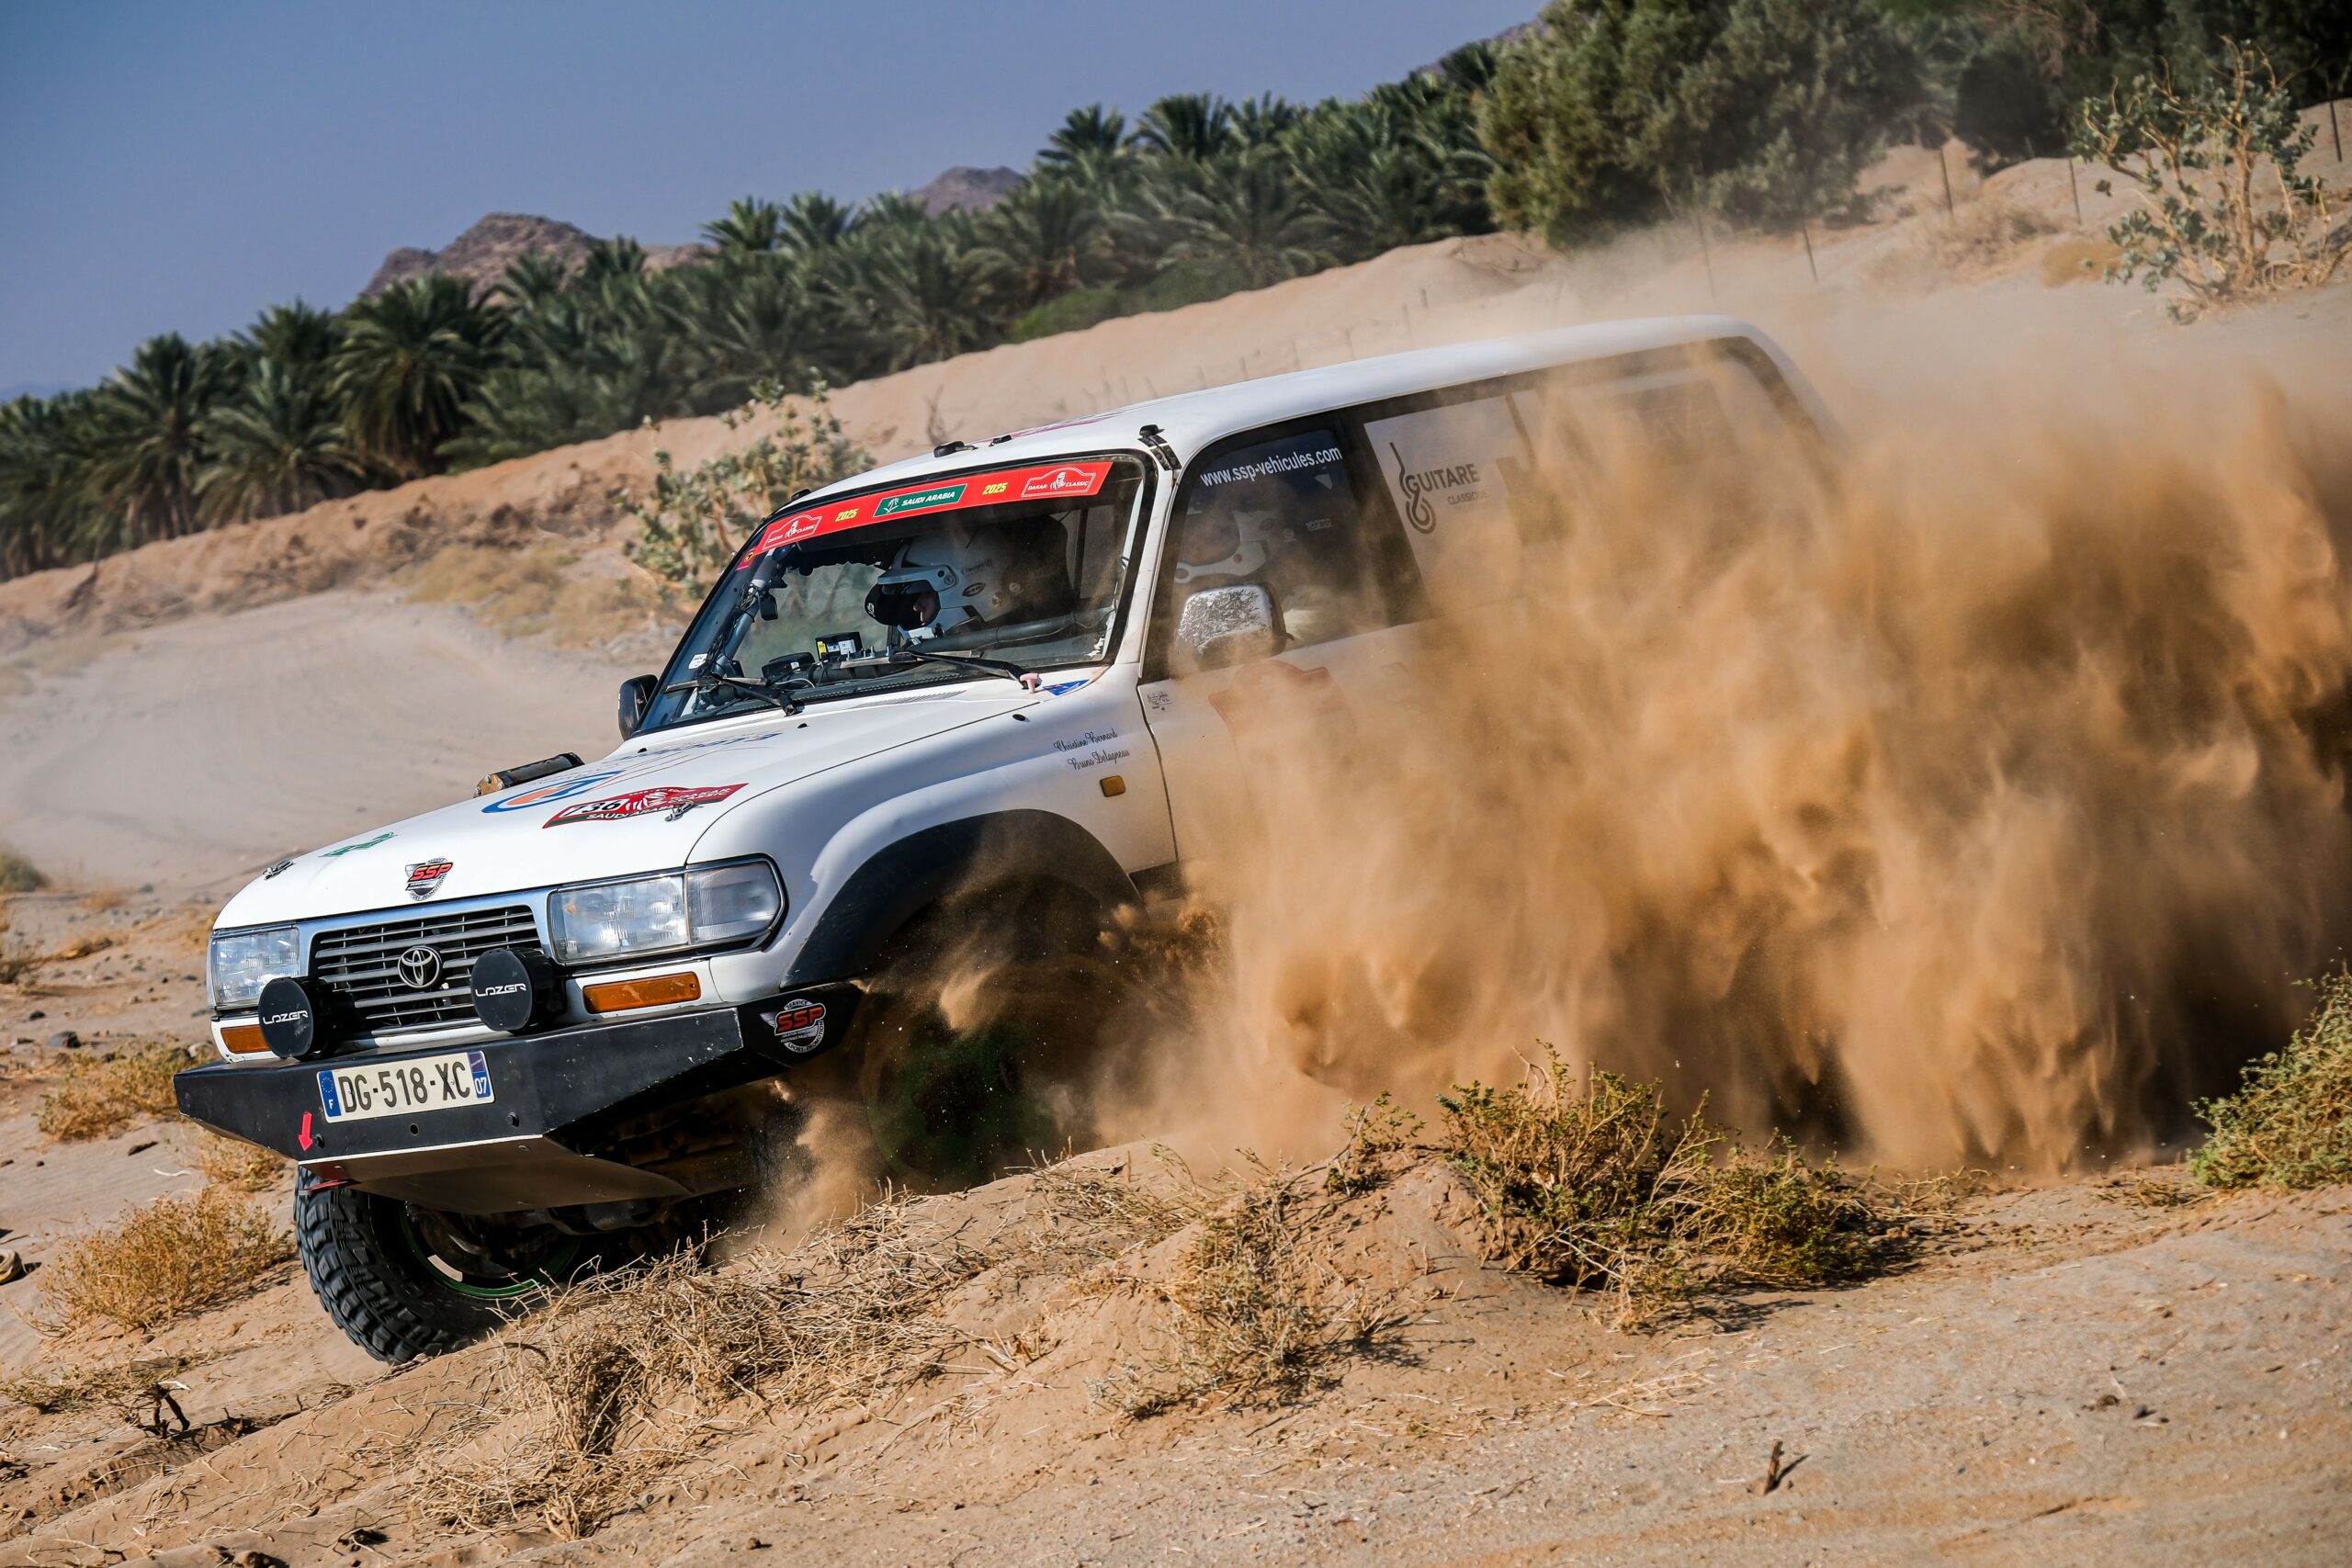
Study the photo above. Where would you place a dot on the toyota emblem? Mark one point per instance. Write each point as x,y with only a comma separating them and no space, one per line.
419,967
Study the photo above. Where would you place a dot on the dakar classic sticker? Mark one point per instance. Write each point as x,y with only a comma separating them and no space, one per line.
546,792
675,800
1050,482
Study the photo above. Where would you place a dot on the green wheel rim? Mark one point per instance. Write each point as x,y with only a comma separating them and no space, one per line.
476,1287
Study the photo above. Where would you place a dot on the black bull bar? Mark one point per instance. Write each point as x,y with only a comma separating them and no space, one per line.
556,1096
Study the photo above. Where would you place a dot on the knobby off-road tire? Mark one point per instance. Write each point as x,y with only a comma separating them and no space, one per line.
376,1275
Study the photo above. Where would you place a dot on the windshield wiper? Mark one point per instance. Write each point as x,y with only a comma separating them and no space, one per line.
1025,680
709,680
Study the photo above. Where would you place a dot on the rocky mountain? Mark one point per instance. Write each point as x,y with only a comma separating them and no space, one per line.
484,253
973,190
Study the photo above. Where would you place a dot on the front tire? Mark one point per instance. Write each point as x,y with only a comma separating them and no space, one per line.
397,1280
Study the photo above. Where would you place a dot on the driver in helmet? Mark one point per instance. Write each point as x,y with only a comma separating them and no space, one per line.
996,577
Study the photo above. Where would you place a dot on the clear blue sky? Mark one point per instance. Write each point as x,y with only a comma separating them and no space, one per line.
175,167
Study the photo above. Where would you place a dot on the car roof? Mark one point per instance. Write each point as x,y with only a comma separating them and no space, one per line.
1191,421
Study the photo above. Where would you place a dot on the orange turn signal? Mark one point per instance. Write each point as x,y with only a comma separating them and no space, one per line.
243,1039
657,990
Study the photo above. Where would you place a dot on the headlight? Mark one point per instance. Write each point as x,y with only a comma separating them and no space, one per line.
698,908
239,964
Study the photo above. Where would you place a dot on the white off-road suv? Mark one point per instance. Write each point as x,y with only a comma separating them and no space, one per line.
509,1037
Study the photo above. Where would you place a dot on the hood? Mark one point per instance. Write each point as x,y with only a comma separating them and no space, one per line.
640,809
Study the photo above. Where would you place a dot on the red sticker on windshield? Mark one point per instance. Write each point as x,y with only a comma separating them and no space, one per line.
1045,481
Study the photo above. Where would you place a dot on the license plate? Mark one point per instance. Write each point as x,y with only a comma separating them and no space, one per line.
399,1088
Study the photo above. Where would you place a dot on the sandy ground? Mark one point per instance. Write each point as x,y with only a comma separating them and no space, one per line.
2108,1367
187,756
2087,1369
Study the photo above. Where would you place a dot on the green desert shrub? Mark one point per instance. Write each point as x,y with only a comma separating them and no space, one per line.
2290,1125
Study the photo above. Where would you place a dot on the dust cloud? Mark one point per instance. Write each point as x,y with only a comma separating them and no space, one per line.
1977,795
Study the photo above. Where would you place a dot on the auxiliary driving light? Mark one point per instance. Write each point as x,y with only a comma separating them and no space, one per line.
291,1020
515,988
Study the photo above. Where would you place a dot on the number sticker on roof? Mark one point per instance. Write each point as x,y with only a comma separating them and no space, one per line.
1045,481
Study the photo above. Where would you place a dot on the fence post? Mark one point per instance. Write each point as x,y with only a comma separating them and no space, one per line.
1944,164
1805,227
2074,190
1699,222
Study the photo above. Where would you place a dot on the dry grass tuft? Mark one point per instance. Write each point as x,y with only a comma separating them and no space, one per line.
621,1376
624,1375
1380,1138
1593,1186
1088,1216
80,1388
1985,233
1260,1318
19,875
171,1257
101,1094
2290,1125
99,900
546,589
239,1166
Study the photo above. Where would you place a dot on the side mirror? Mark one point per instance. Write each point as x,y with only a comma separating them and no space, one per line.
637,696
1231,625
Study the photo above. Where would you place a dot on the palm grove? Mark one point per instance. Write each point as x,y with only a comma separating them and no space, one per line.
1612,112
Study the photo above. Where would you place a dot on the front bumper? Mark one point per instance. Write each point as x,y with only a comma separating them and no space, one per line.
541,1141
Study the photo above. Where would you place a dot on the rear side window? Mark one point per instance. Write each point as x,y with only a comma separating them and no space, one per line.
1461,478
1282,511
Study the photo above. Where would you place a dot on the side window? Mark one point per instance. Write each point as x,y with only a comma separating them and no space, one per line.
1462,476
1282,515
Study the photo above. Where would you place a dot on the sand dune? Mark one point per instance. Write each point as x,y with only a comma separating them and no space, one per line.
189,755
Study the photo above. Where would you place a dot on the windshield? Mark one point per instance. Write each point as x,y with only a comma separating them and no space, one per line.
892,588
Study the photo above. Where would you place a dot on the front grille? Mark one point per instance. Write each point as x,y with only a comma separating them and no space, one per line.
359,961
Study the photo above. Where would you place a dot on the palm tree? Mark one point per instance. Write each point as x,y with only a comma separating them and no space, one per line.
746,320
530,282
812,220
45,505
147,436
1384,173
892,212
1244,214
619,256
410,358
276,446
298,336
1087,143
1045,239
1261,121
1190,126
919,289
750,226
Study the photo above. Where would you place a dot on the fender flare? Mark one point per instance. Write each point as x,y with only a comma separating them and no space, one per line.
903,878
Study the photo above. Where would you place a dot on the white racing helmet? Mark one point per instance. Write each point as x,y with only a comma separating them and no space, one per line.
962,579
1227,541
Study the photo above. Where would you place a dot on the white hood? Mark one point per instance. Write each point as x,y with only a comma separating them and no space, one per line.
640,809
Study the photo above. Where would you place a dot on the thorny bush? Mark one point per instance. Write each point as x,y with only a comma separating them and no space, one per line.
693,522
2290,1125
1593,1185
2225,210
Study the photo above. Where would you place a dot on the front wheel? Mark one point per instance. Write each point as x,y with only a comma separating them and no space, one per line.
405,1281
